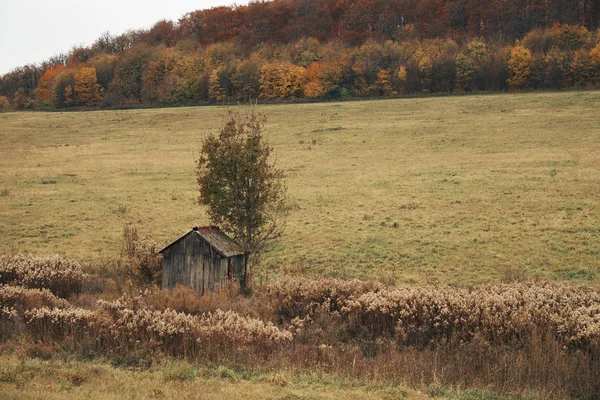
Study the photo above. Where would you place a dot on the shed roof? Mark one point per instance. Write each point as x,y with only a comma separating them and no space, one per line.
226,246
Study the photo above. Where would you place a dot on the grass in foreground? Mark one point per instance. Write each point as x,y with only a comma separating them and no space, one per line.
511,338
456,190
43,379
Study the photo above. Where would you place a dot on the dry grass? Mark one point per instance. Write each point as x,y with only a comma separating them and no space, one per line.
455,190
39,379
513,338
61,276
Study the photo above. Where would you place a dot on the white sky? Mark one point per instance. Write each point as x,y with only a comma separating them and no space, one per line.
32,31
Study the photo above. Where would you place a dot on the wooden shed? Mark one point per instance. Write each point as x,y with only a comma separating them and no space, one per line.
204,259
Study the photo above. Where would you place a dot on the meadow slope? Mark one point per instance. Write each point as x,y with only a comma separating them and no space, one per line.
457,190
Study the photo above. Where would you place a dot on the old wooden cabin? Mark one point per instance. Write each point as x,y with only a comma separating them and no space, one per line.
204,259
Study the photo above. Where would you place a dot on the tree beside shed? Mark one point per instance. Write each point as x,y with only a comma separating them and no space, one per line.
204,259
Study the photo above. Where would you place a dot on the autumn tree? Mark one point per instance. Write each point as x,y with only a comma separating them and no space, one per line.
465,70
556,63
281,80
519,67
86,89
368,60
216,91
44,91
425,72
246,79
4,104
240,186
325,49
305,52
479,54
581,68
314,88
62,88
536,79
470,64
571,37
440,54
383,82
157,84
126,87
595,59
400,79
20,100
190,82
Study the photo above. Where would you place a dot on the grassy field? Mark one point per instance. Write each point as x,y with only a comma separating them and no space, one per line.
456,190
40,379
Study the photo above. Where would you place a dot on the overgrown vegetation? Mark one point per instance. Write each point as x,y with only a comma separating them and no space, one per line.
140,258
520,337
61,276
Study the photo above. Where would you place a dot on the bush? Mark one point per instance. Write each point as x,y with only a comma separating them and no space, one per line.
4,104
61,276
129,325
25,299
143,263
422,316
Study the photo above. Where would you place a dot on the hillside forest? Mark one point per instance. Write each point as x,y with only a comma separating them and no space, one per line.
323,49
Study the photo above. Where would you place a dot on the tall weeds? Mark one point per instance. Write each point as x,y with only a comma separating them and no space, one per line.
61,276
511,338
129,325
420,316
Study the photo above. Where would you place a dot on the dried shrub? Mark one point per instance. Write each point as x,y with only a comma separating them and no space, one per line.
25,299
61,276
297,297
127,325
513,338
186,300
499,314
142,261
432,315
57,323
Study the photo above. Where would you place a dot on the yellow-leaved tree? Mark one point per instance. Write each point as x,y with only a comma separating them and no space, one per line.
87,90
519,67
215,89
281,79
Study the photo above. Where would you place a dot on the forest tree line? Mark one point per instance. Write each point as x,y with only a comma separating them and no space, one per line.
319,49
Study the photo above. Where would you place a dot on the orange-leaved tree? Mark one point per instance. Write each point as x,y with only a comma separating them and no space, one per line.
43,93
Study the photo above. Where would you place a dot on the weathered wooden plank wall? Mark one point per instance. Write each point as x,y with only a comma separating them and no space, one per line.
194,263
